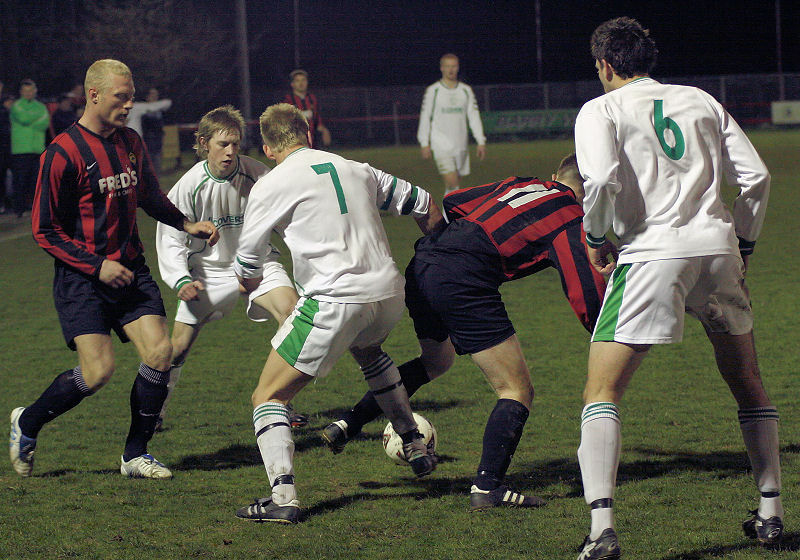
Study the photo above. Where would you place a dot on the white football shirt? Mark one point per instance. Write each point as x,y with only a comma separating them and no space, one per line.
326,209
444,116
654,157
201,196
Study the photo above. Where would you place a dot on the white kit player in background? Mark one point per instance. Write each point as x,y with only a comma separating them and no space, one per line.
216,188
654,157
327,210
447,107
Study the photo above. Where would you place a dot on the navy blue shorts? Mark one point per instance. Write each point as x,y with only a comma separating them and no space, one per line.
456,293
85,305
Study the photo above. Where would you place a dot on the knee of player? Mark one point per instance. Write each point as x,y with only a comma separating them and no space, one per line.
439,364
98,373
159,356
437,357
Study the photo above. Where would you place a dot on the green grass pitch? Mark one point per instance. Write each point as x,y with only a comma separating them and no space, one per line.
684,483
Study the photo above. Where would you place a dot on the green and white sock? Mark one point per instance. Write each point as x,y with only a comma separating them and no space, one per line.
274,437
598,456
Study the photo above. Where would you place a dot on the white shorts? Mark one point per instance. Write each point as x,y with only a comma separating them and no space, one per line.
317,333
274,277
222,293
645,302
449,162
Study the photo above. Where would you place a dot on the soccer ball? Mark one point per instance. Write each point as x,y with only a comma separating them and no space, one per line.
393,445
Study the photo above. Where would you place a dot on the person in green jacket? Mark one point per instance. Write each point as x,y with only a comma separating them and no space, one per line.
29,121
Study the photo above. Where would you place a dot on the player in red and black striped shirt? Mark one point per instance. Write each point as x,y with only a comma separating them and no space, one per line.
307,102
497,232
92,178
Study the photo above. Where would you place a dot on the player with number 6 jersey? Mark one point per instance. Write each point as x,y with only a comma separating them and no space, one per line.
654,156
327,210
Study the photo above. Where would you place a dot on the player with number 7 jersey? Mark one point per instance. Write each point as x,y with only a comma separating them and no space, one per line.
327,210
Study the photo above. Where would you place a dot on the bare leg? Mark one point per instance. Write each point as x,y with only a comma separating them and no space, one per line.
451,181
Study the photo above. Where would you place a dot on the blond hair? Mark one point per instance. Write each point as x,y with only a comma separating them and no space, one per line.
283,126
98,76
222,119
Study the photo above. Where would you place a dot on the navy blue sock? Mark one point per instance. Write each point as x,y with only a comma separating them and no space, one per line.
147,395
413,375
500,440
63,394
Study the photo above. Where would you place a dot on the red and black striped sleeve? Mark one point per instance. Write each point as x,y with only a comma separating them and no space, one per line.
582,284
56,210
458,204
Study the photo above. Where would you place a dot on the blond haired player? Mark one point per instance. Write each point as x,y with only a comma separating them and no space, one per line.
326,209
653,156
92,179
216,188
447,107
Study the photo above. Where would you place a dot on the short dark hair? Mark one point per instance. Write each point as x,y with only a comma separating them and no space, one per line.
625,45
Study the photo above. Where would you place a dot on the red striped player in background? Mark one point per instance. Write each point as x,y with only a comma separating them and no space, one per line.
307,102
92,179
497,232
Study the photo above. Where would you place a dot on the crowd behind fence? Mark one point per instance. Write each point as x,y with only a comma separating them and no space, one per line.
362,116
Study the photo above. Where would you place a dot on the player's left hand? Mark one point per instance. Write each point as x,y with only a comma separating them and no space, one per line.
599,257
191,290
481,152
202,230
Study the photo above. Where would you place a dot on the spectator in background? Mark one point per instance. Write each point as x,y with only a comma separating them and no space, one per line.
5,150
147,118
307,102
64,115
447,107
29,121
78,98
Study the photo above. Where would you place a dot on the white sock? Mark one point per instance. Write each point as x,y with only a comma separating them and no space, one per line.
274,437
174,375
760,433
598,456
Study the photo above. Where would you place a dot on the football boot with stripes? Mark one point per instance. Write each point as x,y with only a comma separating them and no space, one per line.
144,466
605,547
265,510
501,496
767,531
20,447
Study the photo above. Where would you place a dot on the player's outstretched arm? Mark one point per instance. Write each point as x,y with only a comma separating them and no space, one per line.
202,230
432,221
